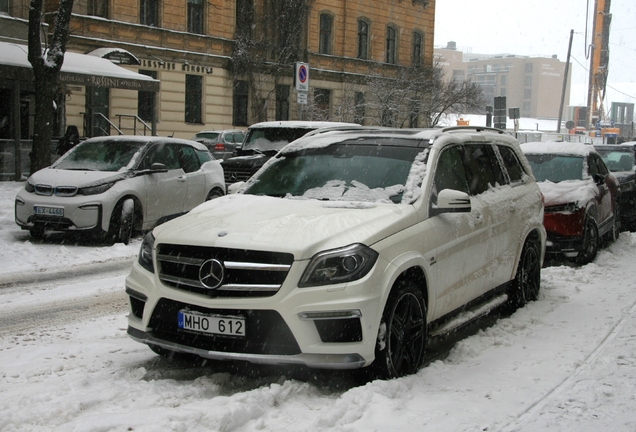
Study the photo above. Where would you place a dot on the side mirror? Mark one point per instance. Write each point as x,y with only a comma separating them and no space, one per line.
451,201
158,168
234,187
598,178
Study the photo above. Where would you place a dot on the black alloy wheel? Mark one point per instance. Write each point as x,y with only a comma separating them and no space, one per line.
403,332
590,242
527,282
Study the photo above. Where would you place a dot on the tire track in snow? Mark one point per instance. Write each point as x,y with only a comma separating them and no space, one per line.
569,381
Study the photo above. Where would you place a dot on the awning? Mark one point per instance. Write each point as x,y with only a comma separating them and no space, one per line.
77,69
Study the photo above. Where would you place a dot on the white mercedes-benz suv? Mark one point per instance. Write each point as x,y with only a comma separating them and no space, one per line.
348,249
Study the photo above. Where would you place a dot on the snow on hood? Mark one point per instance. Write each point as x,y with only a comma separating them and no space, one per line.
569,191
59,177
300,227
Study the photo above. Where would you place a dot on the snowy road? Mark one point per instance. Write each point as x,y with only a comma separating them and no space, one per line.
566,362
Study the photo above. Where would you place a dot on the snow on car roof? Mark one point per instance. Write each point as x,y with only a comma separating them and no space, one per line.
148,139
300,124
554,147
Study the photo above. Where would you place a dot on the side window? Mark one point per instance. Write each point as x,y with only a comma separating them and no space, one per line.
478,161
512,164
164,154
188,159
449,173
204,156
601,167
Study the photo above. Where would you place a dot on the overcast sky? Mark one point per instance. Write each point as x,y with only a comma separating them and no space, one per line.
542,28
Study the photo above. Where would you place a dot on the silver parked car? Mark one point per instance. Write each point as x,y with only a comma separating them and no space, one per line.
114,186
221,143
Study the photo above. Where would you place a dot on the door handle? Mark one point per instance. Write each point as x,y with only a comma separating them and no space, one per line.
181,178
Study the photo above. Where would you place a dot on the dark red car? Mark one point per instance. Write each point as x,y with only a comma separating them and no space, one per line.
581,198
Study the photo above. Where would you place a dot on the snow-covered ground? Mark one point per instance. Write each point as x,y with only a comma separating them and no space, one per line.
566,362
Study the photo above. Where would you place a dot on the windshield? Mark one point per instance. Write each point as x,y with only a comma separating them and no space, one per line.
556,168
272,138
617,160
343,172
99,156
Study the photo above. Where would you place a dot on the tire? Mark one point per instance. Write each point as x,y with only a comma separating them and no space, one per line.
37,233
214,194
527,282
403,332
590,243
122,222
613,234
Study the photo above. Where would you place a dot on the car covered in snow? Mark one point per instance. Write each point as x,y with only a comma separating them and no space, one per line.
263,140
221,143
115,186
348,249
621,160
581,198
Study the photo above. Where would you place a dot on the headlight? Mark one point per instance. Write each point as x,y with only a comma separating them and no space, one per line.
94,190
29,187
562,208
339,266
145,252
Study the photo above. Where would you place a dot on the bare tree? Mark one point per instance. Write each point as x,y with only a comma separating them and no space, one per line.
46,67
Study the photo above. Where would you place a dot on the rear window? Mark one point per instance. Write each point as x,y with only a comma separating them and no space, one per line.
556,168
617,160
272,138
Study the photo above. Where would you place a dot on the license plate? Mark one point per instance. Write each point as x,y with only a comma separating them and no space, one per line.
211,324
48,211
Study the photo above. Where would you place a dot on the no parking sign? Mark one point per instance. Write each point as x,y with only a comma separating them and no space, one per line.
301,78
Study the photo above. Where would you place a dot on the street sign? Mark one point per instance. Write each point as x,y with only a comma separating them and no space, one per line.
302,98
301,78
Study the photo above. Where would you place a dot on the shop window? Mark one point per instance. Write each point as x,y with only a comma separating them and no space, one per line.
193,99
240,103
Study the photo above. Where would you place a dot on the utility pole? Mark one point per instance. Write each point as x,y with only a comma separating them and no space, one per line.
565,82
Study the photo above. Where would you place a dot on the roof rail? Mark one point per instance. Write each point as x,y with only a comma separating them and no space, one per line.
475,128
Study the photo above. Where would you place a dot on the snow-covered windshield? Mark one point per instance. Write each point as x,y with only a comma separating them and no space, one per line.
556,167
616,159
99,156
272,138
342,172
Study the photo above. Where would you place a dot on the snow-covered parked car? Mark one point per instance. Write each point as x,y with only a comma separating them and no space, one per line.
114,186
581,198
347,249
621,161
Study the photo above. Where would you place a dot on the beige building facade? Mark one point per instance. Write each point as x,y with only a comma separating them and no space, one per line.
192,47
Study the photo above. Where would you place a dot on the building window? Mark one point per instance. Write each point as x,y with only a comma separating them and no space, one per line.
502,91
418,43
528,67
97,8
527,80
146,101
326,24
239,101
526,107
195,16
282,102
391,45
358,110
459,75
193,98
503,80
244,18
322,103
149,13
527,93
414,114
363,40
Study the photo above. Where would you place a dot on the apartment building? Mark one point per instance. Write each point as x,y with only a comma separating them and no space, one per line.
230,63
532,84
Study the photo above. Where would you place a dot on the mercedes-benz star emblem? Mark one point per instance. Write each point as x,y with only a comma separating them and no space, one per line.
211,273
233,176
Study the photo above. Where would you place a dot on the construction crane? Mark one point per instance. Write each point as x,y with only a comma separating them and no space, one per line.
599,62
